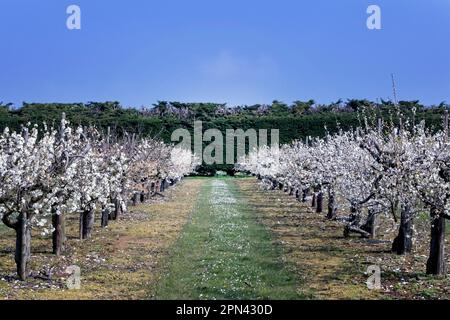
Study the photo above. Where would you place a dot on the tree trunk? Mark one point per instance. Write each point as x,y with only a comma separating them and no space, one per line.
149,193
353,221
304,195
135,199
86,224
23,246
331,206
273,184
117,209
319,208
313,201
158,186
370,225
153,188
105,217
59,234
403,242
112,215
436,263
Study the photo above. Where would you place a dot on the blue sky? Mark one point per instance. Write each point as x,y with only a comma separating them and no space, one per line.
234,51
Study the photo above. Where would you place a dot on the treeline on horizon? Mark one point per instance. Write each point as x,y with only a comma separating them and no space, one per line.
295,121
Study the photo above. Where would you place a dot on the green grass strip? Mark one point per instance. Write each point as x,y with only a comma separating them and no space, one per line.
224,253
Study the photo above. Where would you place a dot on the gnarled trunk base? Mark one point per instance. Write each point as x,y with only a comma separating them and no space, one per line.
23,246
353,224
86,224
59,234
370,225
105,217
332,210
403,242
115,214
304,194
436,263
319,205
136,198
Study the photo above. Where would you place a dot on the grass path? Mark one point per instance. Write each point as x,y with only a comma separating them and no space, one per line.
224,253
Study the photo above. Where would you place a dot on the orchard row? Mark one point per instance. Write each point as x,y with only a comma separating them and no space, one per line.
47,173
400,171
